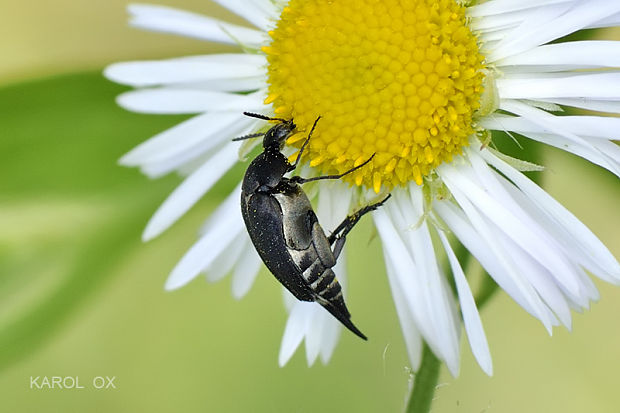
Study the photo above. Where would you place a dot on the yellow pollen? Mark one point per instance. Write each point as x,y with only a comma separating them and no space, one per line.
400,79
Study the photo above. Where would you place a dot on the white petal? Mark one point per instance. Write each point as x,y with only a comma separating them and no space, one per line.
208,128
609,21
582,15
295,330
524,16
404,271
331,336
413,340
225,225
170,100
439,298
485,232
417,293
170,20
187,69
492,199
334,204
252,11
581,300
594,86
597,105
246,270
603,127
468,235
191,151
190,191
314,336
224,262
582,54
490,8
568,226
471,317
554,124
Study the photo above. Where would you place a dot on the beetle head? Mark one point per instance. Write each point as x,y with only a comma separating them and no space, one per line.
275,137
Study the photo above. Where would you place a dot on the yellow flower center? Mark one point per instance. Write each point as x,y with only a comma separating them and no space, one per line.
400,79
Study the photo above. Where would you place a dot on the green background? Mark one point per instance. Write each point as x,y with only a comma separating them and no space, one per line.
80,295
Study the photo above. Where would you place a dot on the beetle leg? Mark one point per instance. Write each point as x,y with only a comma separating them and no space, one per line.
300,180
301,151
338,246
349,222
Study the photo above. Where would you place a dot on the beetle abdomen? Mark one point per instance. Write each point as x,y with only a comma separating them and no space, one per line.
261,214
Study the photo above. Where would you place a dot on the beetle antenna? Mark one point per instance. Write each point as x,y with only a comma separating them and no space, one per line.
263,117
250,136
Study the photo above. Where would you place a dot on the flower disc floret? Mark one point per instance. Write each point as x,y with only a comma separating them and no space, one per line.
400,79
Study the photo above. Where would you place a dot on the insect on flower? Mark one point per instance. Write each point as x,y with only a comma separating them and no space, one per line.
284,228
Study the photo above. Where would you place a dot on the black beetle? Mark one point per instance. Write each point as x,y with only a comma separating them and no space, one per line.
284,228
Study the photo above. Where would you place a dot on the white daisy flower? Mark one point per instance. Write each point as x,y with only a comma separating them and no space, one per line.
419,83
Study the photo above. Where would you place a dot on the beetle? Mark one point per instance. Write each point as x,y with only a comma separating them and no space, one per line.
284,228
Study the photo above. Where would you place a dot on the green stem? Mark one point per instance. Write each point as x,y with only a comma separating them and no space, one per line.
425,383
487,289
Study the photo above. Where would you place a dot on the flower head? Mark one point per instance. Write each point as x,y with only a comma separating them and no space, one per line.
421,84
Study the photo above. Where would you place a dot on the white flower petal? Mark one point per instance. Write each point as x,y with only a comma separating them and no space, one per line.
413,339
170,20
471,317
610,21
416,292
170,100
571,142
404,269
295,330
527,36
440,300
190,69
224,262
568,227
246,270
208,129
594,86
519,17
575,55
253,11
492,199
491,8
330,336
602,127
485,231
314,336
224,226
190,191
191,151
597,105
468,235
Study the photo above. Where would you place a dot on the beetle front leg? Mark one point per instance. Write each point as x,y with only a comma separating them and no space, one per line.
300,180
301,150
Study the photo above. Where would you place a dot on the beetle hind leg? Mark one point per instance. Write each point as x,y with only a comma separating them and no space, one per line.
341,231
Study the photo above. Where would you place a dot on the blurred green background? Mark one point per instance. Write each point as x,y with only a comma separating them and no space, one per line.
80,295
